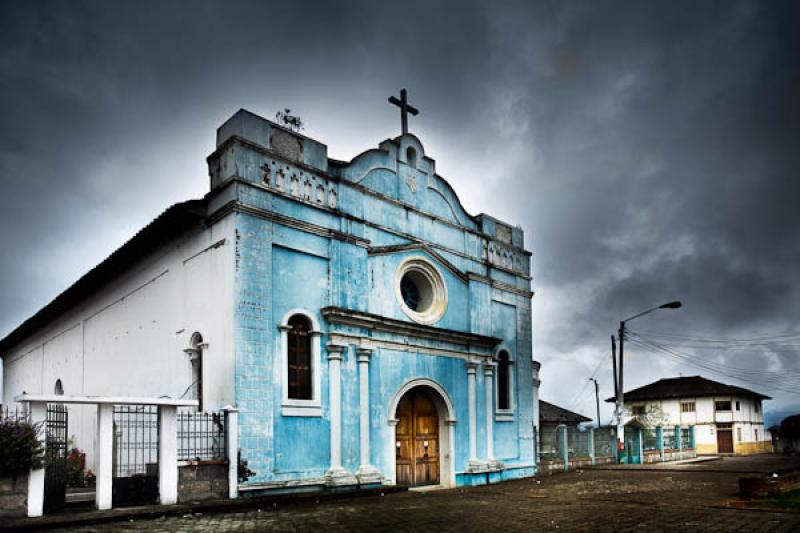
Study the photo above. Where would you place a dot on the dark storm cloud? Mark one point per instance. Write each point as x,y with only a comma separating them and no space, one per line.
648,149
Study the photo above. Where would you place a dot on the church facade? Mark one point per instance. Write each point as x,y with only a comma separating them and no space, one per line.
367,328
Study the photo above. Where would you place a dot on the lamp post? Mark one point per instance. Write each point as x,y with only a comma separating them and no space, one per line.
596,399
620,389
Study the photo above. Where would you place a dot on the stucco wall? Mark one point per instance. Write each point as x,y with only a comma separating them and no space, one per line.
128,338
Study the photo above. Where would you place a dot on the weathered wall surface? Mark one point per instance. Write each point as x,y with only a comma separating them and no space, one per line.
13,496
205,480
313,234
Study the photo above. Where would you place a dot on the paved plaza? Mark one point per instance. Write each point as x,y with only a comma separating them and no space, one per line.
691,497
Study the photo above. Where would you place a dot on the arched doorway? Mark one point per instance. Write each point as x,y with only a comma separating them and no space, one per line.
417,459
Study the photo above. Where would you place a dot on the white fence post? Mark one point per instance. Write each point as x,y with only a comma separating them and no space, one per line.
105,457
591,444
232,449
167,454
36,477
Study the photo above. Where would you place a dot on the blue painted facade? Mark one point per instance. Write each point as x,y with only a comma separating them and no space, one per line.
327,237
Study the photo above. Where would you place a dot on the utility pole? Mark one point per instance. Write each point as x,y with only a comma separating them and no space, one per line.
621,457
596,399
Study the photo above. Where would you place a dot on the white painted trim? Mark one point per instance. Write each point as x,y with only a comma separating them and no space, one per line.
447,430
425,267
504,415
99,400
292,406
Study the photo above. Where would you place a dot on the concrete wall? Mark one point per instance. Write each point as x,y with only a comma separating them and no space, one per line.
128,338
14,496
204,480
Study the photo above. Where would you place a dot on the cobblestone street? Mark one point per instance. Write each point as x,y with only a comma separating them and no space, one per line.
691,498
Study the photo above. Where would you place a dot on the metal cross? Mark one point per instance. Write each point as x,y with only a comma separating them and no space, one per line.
405,108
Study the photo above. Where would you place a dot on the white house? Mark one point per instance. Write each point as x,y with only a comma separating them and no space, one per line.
727,419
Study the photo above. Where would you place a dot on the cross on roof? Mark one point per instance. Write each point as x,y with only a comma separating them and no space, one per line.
405,108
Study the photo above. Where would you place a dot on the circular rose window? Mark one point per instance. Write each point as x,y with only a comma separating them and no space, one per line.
420,290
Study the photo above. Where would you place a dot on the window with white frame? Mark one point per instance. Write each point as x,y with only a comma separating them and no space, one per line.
300,356
504,385
687,407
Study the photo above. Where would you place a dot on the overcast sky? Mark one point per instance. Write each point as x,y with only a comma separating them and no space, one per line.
649,150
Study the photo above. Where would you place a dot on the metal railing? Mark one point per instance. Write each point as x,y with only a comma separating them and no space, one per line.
201,436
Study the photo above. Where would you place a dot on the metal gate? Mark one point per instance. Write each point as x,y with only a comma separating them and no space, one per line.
135,455
55,472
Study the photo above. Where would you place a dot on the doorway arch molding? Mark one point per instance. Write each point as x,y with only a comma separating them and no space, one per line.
447,435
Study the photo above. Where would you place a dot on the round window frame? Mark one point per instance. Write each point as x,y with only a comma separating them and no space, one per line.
436,285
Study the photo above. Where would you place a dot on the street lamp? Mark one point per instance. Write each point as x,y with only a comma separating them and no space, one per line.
620,389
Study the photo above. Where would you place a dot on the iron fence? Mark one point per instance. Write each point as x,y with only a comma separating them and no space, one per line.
604,441
685,438
578,443
550,443
135,440
650,441
201,436
14,414
670,441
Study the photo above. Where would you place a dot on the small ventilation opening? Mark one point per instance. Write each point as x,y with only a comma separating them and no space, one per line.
411,156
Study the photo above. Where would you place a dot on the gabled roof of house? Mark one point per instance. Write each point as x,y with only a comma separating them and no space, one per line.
687,387
169,224
555,414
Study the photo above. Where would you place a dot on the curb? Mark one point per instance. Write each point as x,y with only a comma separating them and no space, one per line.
150,512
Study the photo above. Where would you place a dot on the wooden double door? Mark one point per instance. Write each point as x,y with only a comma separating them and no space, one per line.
724,438
417,440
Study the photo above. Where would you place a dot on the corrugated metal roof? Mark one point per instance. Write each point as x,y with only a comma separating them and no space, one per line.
687,387
553,413
175,220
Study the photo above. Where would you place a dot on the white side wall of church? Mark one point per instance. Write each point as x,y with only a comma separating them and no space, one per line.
128,339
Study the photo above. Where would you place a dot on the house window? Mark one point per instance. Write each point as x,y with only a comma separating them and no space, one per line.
411,157
756,433
503,386
739,434
687,407
58,390
722,405
756,407
299,358
638,410
420,290
738,406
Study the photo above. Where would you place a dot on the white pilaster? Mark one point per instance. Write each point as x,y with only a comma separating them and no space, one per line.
366,474
36,477
105,456
337,475
474,463
232,449
536,382
167,454
488,382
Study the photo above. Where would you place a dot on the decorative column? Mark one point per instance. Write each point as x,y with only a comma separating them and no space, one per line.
366,474
167,454
640,433
660,441
537,438
232,449
488,383
105,456
337,475
474,464
38,411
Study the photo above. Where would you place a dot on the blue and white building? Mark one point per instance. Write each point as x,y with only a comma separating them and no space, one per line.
368,329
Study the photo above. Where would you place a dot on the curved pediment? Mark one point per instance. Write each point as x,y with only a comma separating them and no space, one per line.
400,170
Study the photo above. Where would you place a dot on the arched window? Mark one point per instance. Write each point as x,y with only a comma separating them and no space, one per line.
299,358
411,157
503,381
59,388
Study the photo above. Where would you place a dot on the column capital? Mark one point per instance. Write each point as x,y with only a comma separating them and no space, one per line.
363,354
335,351
285,328
488,369
472,367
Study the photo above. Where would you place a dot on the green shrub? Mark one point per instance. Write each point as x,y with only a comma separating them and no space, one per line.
20,447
